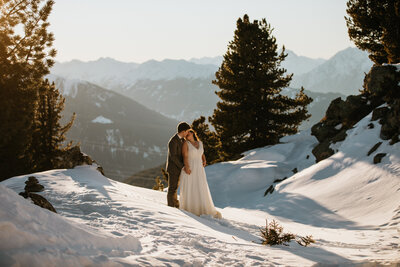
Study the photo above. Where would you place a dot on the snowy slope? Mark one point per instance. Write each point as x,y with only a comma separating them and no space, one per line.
349,205
337,183
123,214
37,237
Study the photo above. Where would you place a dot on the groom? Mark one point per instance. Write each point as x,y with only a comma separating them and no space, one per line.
175,163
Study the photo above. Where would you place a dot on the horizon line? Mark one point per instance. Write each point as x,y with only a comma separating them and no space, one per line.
180,59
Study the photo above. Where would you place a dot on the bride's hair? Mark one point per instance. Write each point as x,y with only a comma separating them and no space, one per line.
195,137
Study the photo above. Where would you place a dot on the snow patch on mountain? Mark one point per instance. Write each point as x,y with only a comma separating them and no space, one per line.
300,64
102,120
208,60
115,75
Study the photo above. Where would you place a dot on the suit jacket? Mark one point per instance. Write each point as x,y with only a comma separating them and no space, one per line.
175,157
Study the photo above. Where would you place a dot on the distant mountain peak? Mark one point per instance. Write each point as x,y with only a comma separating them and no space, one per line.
342,73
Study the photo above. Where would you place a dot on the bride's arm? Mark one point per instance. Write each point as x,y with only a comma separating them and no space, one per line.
185,152
203,157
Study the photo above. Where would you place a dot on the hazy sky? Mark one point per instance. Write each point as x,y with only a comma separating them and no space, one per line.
136,31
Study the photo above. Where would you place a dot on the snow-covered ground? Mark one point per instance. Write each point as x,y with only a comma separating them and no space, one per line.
347,203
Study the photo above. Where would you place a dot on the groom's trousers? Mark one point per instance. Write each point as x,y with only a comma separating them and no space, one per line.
172,196
174,167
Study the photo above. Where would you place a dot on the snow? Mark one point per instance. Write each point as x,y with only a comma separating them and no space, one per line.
339,126
112,74
347,203
38,237
102,120
68,87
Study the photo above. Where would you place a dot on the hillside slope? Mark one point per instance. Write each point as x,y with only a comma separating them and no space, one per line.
349,205
122,135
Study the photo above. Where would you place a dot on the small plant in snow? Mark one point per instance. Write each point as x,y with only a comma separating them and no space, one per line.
305,241
159,185
273,234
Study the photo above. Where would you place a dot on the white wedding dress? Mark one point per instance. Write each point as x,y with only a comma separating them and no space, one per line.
194,193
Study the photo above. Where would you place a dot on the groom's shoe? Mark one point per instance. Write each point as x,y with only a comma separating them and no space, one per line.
177,204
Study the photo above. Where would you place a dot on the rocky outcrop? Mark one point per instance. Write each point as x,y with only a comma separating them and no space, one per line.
381,85
32,185
340,116
383,82
73,157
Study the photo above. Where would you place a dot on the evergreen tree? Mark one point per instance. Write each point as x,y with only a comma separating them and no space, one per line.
49,135
25,57
211,142
252,112
374,26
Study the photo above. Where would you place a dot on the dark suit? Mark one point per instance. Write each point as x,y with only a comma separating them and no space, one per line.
174,168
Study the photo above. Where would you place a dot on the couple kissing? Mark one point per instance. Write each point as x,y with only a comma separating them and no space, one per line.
185,167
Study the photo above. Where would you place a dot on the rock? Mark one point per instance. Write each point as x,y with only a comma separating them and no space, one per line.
339,136
371,126
333,113
322,151
269,190
100,169
378,158
32,185
295,170
387,132
39,200
394,140
347,113
72,157
379,113
381,85
381,80
374,148
280,180
322,131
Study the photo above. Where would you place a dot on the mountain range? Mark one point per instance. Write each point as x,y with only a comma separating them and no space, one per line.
122,135
158,94
183,90
317,75
343,73
117,76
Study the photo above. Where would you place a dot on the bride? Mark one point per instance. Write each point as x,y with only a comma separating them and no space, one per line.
194,194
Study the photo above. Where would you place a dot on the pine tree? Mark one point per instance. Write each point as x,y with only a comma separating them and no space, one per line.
211,142
25,57
252,112
49,135
374,26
